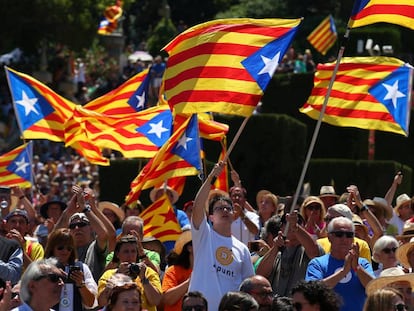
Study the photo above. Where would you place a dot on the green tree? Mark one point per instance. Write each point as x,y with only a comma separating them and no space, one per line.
163,33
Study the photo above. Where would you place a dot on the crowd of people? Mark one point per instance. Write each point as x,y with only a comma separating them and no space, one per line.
65,249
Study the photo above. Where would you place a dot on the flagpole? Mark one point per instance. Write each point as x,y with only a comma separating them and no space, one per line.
317,127
233,143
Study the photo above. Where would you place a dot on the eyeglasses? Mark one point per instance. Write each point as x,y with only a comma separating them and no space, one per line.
62,247
388,250
14,295
221,208
299,305
80,224
313,207
341,234
52,277
195,308
263,295
401,307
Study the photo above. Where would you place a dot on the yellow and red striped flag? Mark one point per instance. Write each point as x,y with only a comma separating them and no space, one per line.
16,167
369,92
225,65
222,181
366,12
324,35
160,220
40,112
180,156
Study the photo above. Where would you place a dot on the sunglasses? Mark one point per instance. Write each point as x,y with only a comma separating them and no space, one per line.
14,295
78,224
223,207
52,277
389,250
401,307
313,207
194,307
341,234
62,247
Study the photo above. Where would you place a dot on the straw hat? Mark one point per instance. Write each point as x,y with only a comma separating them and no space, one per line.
113,208
401,199
387,277
328,191
182,240
408,229
402,253
154,193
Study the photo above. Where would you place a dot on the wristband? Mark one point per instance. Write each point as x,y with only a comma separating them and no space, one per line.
82,285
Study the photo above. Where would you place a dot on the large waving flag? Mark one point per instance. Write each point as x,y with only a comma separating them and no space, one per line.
368,92
40,112
324,35
138,134
225,65
160,221
180,156
366,12
16,167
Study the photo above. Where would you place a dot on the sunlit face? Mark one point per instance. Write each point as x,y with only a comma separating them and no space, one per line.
341,244
266,208
62,252
387,256
222,213
128,300
46,290
237,196
405,210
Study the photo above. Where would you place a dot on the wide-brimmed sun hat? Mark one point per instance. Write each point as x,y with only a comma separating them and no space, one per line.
387,277
113,208
182,240
328,191
44,208
408,229
402,253
154,193
401,200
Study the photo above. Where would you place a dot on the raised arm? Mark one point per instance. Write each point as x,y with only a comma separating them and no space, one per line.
389,196
199,211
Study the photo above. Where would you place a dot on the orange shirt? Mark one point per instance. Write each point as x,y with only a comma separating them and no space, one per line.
174,275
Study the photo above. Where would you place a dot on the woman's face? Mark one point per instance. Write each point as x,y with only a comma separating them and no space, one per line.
128,300
62,252
387,256
266,207
300,303
313,211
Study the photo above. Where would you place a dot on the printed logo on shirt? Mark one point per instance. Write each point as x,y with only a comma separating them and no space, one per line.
224,256
347,278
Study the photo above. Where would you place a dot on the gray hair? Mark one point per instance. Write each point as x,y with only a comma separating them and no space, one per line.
133,220
35,270
382,243
337,220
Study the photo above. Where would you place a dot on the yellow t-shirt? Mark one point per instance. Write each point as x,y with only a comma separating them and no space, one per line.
150,274
34,250
364,250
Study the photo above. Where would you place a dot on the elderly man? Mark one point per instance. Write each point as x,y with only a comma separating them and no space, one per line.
221,262
343,269
260,289
41,286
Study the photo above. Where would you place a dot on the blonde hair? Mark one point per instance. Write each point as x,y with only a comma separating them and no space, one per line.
309,200
382,299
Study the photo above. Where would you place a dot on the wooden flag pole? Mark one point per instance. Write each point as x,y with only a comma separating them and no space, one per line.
233,143
317,128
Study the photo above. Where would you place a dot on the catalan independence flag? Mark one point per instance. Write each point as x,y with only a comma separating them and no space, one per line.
40,112
130,97
366,12
138,134
160,220
16,167
225,65
369,93
324,35
180,156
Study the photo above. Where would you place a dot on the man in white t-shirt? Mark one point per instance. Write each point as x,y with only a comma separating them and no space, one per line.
403,211
221,262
